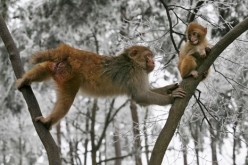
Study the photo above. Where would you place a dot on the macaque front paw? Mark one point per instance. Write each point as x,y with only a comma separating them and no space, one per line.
205,74
194,73
169,88
178,93
207,50
204,53
21,82
46,121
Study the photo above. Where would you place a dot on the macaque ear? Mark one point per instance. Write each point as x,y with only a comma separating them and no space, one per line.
189,25
133,53
205,30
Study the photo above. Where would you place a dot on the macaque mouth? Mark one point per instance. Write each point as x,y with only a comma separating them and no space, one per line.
195,42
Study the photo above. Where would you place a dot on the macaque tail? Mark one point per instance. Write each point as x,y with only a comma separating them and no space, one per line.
58,54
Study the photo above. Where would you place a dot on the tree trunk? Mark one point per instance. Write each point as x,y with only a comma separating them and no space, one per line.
58,135
185,151
20,151
213,146
71,147
136,133
92,133
87,118
146,136
195,135
234,146
197,150
117,143
246,157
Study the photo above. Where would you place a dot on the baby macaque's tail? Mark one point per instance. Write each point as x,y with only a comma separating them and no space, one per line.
55,55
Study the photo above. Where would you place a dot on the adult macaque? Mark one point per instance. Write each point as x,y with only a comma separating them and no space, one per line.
195,46
97,75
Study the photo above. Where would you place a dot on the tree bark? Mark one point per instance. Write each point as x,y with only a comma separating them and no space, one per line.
87,129
185,153
136,133
213,146
189,85
71,144
146,136
195,135
58,136
92,133
117,143
33,107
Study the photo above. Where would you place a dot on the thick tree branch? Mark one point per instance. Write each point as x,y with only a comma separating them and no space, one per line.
189,85
33,107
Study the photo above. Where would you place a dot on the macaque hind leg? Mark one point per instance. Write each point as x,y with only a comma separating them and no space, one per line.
188,66
65,97
38,73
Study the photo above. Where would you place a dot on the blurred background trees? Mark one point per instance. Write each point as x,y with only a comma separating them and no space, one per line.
109,131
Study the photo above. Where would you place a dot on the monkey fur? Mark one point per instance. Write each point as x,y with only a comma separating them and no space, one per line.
193,50
96,75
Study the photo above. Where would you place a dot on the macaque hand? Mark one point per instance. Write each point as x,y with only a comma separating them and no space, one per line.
178,93
21,82
44,121
207,50
169,88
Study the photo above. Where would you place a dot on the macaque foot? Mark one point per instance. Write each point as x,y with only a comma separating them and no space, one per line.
205,74
45,121
194,73
203,55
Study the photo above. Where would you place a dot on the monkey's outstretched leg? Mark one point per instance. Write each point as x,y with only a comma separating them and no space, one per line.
65,96
38,73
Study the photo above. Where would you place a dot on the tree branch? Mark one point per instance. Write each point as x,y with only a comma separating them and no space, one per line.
189,85
33,107
170,24
191,16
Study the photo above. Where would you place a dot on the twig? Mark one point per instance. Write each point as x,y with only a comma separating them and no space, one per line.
170,24
202,110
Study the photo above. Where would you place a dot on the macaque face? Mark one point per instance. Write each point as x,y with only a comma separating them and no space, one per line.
150,65
194,37
143,57
196,33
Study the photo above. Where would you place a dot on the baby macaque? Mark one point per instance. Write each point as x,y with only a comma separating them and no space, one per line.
195,46
96,75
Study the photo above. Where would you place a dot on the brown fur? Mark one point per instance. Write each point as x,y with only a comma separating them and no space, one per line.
73,69
190,52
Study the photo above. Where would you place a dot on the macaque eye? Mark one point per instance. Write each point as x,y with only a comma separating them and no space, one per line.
195,34
149,56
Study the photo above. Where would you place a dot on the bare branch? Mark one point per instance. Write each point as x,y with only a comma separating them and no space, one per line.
170,24
192,15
